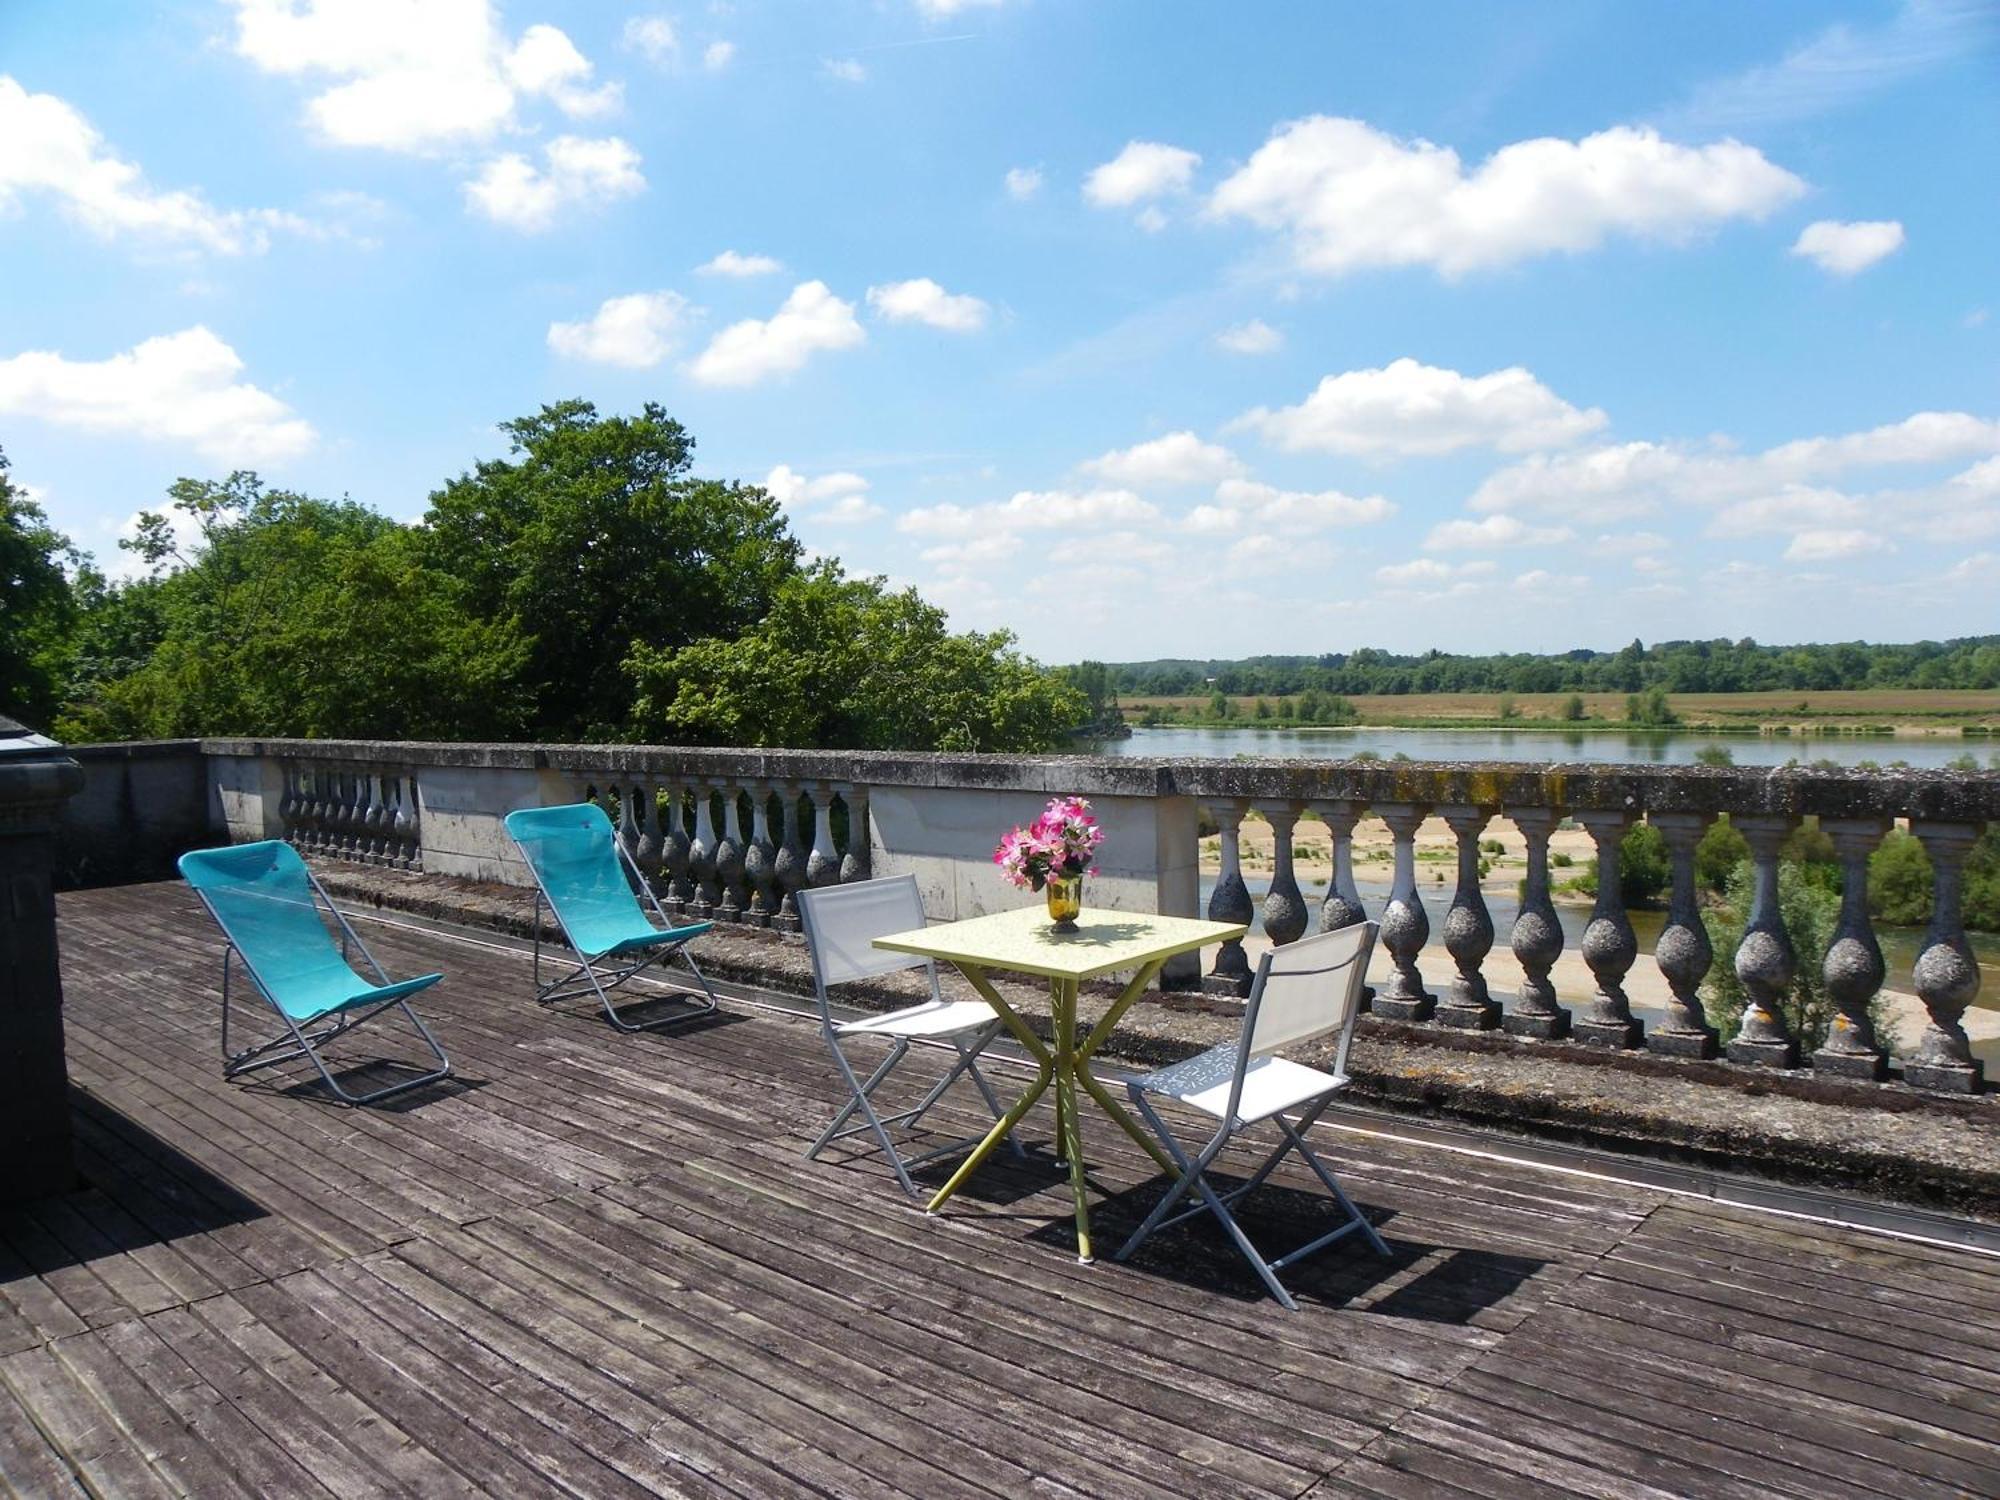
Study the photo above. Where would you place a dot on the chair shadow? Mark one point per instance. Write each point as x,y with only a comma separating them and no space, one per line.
133,1190
1463,1282
1003,1179
671,1015
376,1073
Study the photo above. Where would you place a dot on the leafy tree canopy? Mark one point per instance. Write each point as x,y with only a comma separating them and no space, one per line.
37,605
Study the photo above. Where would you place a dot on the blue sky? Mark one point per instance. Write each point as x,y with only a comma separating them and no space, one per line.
1138,328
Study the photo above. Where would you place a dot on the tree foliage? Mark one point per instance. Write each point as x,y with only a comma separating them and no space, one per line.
37,605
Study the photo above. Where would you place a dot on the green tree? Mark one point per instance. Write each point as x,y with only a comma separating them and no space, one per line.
1651,709
1263,708
37,605
1572,709
594,539
1810,912
1718,854
1218,705
845,663
1714,755
1645,868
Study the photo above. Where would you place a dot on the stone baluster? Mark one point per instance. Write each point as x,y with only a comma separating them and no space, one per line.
1765,962
410,824
1284,903
1537,938
1609,945
701,854
1230,902
1683,951
790,865
312,811
1342,906
676,849
1947,973
346,816
1854,968
381,820
729,853
288,805
760,858
1405,924
1468,929
858,858
652,851
628,820
823,863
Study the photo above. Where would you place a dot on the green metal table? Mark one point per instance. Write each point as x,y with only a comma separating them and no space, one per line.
1025,942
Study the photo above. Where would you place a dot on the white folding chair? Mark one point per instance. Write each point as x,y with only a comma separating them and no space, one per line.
1307,990
841,923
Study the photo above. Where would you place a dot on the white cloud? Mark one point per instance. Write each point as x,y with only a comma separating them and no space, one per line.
839,499
634,332
1033,510
180,387
1494,531
1790,508
415,77
652,37
1347,196
1829,546
1143,170
1248,502
1428,570
47,147
811,319
938,10
844,69
1845,249
973,553
924,301
730,263
1152,218
718,55
1632,544
576,174
1023,183
1177,458
1410,408
1253,337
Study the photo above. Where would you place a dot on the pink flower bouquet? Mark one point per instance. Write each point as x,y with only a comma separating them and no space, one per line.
1058,845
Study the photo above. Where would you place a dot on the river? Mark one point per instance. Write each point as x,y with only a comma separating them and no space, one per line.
1616,746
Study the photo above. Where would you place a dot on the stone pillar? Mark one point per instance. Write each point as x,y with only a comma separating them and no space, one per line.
1947,973
1468,929
677,850
1342,906
1683,951
1609,944
1765,962
790,865
760,858
1230,902
701,855
1284,903
652,851
854,859
823,863
729,856
1405,924
628,820
1854,969
36,778
1537,938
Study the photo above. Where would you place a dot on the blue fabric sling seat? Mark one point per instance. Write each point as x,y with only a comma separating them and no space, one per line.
270,908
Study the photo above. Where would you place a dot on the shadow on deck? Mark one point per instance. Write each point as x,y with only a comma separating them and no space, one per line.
596,1264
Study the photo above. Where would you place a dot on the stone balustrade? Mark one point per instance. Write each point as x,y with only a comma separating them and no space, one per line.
734,835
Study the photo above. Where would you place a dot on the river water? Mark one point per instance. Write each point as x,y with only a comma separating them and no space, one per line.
1616,746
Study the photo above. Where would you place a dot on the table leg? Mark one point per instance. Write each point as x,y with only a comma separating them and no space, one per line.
1063,1005
1098,1035
1044,1073
1062,1113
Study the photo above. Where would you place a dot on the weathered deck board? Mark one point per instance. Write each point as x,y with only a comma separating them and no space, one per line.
597,1265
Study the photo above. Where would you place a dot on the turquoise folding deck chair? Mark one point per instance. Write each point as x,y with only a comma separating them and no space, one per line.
593,886
268,905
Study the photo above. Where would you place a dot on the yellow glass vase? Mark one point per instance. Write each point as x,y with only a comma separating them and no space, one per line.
1065,901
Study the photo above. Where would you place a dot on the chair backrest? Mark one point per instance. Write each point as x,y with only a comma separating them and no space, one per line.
1308,989
573,854
843,921
265,902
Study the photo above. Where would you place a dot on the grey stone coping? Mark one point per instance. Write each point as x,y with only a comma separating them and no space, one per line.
1943,796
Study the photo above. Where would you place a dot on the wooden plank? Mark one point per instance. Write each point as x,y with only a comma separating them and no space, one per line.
30,1464
93,1445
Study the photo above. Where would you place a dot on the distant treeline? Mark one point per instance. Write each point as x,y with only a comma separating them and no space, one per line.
1674,666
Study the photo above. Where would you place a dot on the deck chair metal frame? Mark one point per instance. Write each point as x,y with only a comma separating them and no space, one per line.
840,924
305,1036
1301,992
592,975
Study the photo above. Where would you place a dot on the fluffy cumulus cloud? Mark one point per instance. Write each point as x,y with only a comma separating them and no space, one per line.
718,55
1409,408
924,301
633,332
653,38
732,264
1429,573
1253,337
1347,196
575,174
1846,249
1033,510
1177,458
1023,183
1822,545
1493,532
1241,503
1144,170
811,320
180,388
49,150
839,498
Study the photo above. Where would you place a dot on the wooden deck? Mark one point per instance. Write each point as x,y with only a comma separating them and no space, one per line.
595,1264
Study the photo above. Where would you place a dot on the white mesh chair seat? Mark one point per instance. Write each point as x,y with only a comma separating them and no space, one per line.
1271,1085
841,924
1302,992
934,1018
